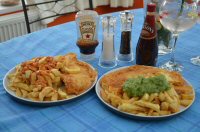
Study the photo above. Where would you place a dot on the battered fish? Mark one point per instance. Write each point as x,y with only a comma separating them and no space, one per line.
117,79
77,83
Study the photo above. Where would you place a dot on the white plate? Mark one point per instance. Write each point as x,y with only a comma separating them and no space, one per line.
98,88
40,103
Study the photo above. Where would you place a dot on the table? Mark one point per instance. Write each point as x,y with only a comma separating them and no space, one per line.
88,113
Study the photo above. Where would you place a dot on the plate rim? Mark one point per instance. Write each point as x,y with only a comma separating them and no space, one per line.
97,90
12,94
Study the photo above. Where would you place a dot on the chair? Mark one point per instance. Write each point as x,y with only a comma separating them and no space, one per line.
26,7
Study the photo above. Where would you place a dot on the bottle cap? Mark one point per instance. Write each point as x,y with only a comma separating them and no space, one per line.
151,7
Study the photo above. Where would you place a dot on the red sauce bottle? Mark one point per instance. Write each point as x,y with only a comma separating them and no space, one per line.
147,46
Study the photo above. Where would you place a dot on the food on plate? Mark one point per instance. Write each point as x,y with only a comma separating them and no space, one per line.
146,91
141,85
51,78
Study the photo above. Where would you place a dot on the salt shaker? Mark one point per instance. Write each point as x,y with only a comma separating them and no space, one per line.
108,58
125,52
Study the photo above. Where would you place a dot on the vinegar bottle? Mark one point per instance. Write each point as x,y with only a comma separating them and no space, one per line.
147,47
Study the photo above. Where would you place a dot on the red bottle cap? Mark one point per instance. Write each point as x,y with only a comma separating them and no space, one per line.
151,7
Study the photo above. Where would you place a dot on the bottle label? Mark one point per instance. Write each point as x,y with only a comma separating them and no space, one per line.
148,32
87,27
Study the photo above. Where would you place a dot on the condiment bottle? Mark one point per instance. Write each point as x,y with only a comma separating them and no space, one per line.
125,52
147,47
87,22
107,58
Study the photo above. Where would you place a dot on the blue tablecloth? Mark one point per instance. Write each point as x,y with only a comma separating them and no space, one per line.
88,113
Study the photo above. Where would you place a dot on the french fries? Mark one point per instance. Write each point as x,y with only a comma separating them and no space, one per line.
130,107
186,102
154,107
155,104
40,79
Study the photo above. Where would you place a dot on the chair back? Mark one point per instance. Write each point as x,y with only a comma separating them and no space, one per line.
53,3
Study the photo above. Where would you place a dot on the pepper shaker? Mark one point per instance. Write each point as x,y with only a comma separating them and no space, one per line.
108,58
125,52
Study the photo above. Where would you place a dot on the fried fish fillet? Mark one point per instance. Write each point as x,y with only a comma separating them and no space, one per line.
117,79
76,83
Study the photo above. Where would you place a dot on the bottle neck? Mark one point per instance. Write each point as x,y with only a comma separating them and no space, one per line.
151,13
149,28
150,18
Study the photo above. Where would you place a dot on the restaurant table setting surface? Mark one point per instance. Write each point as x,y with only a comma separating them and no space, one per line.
88,113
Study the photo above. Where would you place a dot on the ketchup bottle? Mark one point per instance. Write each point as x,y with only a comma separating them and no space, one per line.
147,46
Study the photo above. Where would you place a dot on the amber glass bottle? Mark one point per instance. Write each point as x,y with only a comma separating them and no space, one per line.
147,46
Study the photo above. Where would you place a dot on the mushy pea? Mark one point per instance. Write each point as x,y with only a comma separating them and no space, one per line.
135,87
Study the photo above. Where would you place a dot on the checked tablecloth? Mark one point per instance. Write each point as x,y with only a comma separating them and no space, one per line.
87,113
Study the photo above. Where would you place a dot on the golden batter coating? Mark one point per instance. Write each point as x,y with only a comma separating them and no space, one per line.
79,82
117,79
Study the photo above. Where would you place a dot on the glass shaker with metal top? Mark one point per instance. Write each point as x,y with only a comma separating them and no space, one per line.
125,52
107,58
